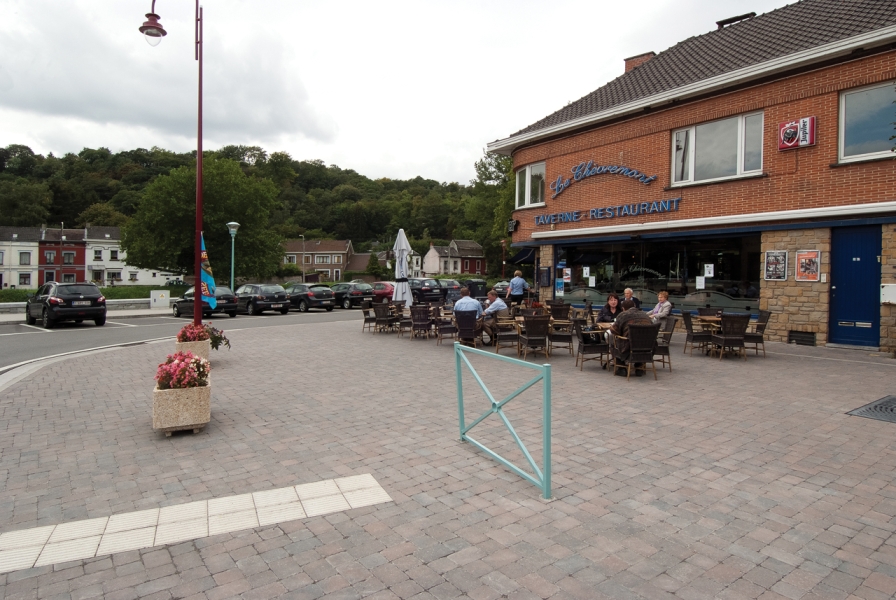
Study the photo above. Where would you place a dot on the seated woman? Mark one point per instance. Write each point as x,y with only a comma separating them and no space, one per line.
662,309
610,311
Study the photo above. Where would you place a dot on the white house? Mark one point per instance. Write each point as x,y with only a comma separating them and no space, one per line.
19,257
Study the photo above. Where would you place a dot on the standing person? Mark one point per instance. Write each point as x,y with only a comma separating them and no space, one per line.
496,308
610,310
517,288
629,295
663,308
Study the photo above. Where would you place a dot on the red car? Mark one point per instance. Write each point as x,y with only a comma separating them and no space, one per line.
382,291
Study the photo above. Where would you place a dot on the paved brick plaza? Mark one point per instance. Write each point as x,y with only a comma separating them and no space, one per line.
724,479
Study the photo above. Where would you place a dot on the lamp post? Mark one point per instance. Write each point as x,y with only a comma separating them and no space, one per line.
503,257
154,32
303,257
232,227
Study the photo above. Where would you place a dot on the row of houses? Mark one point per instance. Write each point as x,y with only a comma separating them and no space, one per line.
32,256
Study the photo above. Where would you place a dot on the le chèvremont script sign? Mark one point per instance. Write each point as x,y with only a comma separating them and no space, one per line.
610,212
588,169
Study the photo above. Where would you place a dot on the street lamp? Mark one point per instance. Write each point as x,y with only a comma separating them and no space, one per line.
232,227
303,257
154,32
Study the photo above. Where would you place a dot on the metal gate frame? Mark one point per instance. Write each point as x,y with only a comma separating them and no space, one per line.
541,479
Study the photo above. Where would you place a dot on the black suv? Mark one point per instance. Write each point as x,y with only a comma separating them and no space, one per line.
348,295
303,296
255,298
55,302
425,290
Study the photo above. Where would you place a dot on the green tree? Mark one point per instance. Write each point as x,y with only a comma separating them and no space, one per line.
373,266
161,233
24,204
101,215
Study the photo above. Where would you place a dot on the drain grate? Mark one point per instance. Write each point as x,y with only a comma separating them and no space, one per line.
881,410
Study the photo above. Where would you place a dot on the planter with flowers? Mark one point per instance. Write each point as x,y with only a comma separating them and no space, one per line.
182,397
200,339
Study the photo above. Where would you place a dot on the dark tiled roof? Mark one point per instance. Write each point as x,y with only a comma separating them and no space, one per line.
316,246
99,233
787,30
23,234
71,235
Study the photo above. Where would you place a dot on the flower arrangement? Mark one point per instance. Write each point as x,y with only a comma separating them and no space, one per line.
183,370
200,333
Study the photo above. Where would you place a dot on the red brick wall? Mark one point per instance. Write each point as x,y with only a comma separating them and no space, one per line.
800,178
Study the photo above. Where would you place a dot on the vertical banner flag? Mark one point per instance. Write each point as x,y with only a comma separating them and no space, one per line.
207,285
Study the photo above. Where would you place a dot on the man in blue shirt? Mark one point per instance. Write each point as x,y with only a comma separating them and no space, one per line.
467,303
517,288
496,308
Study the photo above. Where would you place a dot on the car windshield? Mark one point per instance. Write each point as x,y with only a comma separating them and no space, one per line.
79,289
320,287
223,291
449,283
271,289
363,287
431,283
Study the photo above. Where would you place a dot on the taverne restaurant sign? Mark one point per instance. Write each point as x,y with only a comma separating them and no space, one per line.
610,212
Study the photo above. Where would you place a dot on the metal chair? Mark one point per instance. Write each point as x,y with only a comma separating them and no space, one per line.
536,335
421,321
586,348
641,349
754,339
730,335
663,349
466,327
508,335
692,337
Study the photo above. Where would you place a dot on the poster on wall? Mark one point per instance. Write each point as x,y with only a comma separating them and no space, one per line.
776,265
567,275
701,282
558,288
808,265
709,270
586,271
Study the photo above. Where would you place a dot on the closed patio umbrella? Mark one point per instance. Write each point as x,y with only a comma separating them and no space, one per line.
402,250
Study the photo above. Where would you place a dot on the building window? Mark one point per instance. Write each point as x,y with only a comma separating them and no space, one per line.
132,276
68,258
113,254
455,266
445,268
866,122
530,185
68,278
50,257
289,259
114,275
25,279
325,273
49,276
98,276
337,259
25,258
466,266
97,255
718,150
478,266
337,274
307,259
322,259
1,258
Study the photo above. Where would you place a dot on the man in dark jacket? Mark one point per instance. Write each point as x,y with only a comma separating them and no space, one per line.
630,314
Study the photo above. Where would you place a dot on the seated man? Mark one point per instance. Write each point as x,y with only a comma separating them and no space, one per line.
465,302
630,314
496,308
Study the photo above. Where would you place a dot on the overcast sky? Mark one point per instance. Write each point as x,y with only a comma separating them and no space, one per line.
389,89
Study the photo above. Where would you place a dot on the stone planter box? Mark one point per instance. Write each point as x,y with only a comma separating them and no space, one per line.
181,409
202,349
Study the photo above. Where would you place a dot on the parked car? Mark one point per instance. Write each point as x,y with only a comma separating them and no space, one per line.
175,282
255,298
352,294
382,291
225,303
450,289
425,290
304,296
55,301
501,288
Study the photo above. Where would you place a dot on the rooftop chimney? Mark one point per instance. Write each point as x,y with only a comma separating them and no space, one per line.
637,61
732,20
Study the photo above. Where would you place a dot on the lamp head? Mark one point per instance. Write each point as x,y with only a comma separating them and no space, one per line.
152,30
232,227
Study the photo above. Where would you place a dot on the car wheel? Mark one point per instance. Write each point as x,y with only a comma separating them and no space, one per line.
329,309
175,310
231,314
346,303
46,322
303,306
284,311
29,320
100,321
251,310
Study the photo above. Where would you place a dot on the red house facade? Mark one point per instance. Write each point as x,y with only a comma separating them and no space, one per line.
62,256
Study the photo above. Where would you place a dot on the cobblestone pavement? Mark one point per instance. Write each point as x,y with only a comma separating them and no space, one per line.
723,479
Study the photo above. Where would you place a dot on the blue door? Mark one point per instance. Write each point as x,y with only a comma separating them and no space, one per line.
855,286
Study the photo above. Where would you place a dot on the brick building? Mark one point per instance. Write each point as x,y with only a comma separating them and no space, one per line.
747,168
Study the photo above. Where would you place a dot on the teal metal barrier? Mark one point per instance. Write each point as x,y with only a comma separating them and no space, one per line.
542,477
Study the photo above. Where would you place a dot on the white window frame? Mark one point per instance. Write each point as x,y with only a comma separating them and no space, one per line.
1,258
116,275
97,255
98,275
289,259
466,265
337,259
23,276
132,276
113,254
306,259
842,127
49,276
26,256
322,259
325,272
527,193
66,260
740,151
337,274
50,257
68,278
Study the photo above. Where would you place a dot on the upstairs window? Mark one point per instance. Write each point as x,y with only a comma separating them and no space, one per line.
530,185
97,255
68,258
50,257
24,258
866,122
322,259
718,150
113,254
